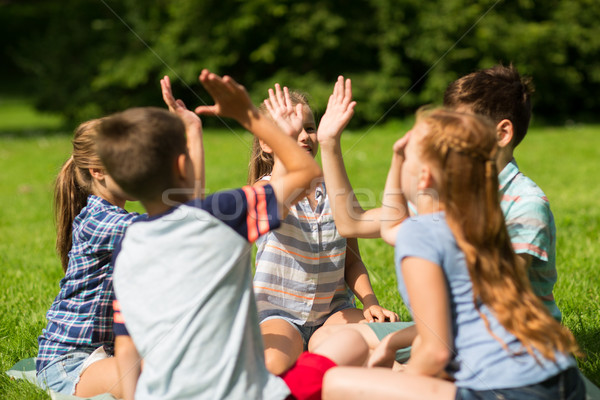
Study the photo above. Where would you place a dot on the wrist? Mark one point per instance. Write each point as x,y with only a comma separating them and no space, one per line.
369,300
328,142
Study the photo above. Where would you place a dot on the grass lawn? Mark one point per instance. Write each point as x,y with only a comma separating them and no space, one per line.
563,161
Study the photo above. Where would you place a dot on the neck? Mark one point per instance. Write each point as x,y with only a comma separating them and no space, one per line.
429,204
114,200
159,207
505,155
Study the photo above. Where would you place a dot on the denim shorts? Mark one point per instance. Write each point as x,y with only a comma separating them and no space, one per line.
567,385
62,374
305,331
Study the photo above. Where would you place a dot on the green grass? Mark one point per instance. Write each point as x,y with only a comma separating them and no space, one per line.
563,161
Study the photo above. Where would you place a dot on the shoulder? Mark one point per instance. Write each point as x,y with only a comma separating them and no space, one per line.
424,236
251,211
524,197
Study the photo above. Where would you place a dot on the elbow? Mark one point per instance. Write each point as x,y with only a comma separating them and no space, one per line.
315,172
388,236
439,356
345,230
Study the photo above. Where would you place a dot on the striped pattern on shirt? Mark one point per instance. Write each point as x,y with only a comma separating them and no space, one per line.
300,266
81,315
531,228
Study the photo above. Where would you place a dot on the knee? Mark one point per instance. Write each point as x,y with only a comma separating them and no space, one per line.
275,363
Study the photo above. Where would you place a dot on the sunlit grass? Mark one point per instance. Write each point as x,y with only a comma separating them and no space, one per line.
563,161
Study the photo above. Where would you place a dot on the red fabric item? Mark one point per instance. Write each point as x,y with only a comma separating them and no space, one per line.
305,377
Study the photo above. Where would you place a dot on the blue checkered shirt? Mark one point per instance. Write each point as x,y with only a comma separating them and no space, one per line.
81,314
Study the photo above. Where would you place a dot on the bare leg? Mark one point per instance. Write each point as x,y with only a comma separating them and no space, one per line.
283,345
100,377
345,347
325,331
352,383
347,316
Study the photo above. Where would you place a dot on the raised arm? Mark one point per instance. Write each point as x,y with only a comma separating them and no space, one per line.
193,131
394,208
351,219
232,100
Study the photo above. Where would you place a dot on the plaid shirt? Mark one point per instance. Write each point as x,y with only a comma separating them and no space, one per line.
81,314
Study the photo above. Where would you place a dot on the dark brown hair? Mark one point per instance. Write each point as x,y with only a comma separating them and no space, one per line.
73,186
261,162
498,93
461,149
139,148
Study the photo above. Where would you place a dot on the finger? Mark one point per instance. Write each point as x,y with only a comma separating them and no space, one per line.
269,107
207,110
339,89
378,315
273,100
288,99
299,110
279,95
348,92
180,103
368,316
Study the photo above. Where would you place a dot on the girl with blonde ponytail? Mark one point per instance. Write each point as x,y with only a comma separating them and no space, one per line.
75,346
477,319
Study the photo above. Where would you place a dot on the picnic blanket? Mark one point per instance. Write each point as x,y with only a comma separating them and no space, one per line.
25,369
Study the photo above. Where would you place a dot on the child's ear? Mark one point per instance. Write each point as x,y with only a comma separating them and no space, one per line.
265,147
425,178
504,132
182,168
97,173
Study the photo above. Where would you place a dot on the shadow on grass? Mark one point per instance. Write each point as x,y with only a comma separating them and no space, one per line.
589,342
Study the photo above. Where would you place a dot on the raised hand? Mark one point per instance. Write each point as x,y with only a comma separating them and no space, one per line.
340,110
285,115
400,145
193,131
189,118
231,98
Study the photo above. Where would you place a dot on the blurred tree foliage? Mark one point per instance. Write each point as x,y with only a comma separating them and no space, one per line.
85,58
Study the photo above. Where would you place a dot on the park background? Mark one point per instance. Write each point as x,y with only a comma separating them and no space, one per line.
63,62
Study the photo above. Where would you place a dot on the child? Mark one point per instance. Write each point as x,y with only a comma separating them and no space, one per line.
502,95
477,319
90,220
74,348
303,268
183,277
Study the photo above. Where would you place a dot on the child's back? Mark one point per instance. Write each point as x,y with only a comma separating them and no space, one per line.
90,222
185,274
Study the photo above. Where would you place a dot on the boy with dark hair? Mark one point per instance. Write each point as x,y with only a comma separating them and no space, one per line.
182,277
502,95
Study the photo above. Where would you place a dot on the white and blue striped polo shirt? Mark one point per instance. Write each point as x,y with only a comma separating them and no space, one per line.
531,228
300,266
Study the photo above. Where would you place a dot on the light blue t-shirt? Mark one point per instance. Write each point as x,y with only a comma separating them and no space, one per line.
184,283
479,361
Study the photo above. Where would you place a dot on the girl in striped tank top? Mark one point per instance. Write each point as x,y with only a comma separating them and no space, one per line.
306,273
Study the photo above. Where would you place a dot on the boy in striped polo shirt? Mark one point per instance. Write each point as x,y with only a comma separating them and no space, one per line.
502,95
